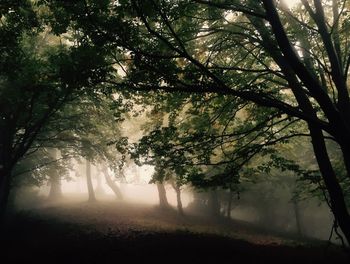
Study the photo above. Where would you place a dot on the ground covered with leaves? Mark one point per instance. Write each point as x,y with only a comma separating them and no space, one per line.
110,232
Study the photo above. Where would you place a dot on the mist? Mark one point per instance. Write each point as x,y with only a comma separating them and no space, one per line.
174,131
134,186
262,206
261,214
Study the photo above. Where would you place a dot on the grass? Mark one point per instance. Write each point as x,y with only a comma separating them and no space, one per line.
108,232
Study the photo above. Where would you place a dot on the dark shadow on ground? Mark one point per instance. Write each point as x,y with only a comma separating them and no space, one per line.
55,235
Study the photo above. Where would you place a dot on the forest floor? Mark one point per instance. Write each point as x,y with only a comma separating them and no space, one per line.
111,232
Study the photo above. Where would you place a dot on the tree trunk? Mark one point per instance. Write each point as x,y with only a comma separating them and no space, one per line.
163,201
112,184
229,204
177,189
179,202
136,174
54,179
336,196
90,187
214,203
99,189
55,187
297,218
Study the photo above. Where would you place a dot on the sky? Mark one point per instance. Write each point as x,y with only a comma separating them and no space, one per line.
291,3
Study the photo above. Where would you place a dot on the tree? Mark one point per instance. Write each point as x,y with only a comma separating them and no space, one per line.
40,74
43,166
292,60
90,187
163,200
177,188
54,179
111,183
82,128
158,178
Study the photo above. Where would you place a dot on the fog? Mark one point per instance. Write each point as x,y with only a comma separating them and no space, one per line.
211,129
257,211
262,206
135,187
